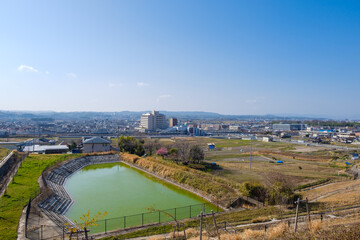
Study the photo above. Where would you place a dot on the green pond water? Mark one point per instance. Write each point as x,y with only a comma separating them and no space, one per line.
124,191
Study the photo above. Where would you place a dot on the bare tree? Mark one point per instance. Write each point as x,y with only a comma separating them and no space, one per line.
151,146
183,151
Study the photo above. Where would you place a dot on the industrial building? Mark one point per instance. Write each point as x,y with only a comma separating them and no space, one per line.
46,149
288,127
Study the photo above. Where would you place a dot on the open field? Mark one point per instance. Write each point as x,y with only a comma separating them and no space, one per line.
23,187
233,156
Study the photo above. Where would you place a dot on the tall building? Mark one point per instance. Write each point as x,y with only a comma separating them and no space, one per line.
173,122
152,121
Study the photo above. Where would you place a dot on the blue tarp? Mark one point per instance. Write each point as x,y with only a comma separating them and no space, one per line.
347,163
279,161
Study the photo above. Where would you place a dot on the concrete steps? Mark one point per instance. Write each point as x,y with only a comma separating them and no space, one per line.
59,201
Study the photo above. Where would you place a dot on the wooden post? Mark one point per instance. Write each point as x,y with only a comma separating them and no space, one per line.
105,226
217,230
173,236
201,216
190,211
159,217
175,214
142,219
297,214
184,231
308,211
124,222
86,233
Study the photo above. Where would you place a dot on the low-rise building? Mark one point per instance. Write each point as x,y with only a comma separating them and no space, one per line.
46,149
96,144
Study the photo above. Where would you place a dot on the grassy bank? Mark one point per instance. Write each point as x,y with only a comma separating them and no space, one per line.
3,152
23,187
202,182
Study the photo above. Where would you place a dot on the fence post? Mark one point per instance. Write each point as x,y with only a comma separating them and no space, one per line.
142,219
175,214
124,222
297,214
105,226
204,208
308,211
190,211
159,217
217,230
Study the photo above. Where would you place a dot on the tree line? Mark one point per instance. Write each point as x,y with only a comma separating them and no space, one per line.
181,152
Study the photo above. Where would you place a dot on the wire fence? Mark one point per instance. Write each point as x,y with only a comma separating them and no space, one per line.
154,217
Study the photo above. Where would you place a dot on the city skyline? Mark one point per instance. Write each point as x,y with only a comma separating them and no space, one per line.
239,58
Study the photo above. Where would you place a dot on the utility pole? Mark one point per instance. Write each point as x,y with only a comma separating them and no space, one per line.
250,150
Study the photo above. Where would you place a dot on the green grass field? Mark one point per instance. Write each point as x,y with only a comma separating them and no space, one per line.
22,188
3,152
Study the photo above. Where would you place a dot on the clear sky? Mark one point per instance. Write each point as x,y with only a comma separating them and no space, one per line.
230,57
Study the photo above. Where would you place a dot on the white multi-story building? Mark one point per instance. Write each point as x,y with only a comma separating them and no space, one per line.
152,121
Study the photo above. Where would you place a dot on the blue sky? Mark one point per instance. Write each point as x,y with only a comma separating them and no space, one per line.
231,57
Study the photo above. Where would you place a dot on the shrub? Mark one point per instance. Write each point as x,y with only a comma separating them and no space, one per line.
162,152
254,190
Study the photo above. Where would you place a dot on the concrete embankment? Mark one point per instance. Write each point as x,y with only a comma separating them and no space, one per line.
8,168
58,201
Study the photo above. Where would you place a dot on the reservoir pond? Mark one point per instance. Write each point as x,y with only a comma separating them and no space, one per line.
130,196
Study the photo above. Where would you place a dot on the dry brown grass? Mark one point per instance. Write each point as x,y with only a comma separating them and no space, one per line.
236,170
201,182
299,156
156,238
337,186
277,231
345,197
260,219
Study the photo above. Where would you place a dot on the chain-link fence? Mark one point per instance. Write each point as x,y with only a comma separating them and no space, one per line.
154,217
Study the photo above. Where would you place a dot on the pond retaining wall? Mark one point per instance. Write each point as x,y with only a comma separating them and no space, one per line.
59,201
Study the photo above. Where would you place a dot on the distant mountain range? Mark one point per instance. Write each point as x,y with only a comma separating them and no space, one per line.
184,115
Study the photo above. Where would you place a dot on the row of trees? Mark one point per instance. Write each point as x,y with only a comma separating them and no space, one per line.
180,151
